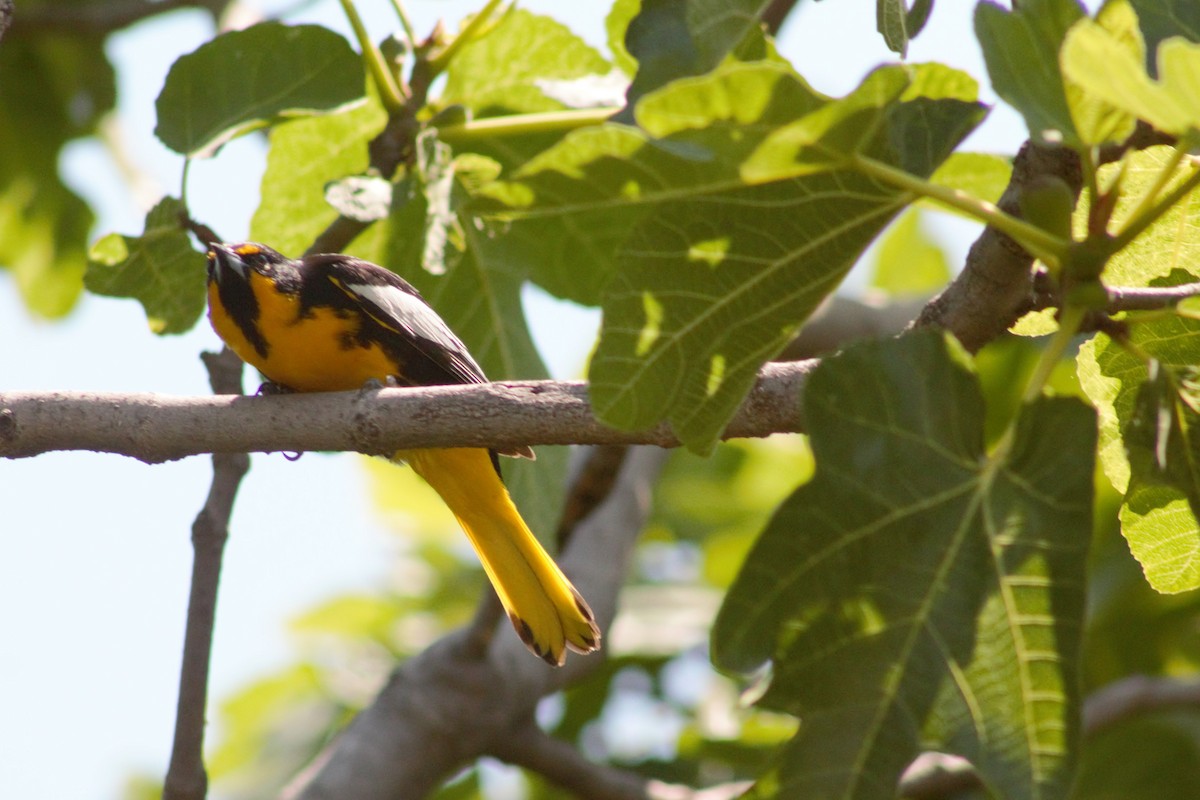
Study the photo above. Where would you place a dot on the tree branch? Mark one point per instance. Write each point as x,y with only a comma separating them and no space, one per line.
155,428
448,706
995,287
1149,298
186,777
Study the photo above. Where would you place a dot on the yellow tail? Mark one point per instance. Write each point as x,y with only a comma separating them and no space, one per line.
549,615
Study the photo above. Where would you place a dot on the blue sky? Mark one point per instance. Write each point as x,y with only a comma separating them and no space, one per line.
94,582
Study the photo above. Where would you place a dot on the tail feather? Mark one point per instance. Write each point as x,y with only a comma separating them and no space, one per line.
547,612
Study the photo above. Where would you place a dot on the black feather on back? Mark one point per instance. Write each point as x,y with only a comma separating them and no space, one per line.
395,316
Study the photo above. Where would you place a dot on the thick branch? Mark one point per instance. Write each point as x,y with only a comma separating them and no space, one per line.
157,428
996,285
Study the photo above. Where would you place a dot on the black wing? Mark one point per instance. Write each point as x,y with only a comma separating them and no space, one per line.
407,327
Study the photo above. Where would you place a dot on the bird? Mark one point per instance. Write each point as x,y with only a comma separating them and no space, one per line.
333,322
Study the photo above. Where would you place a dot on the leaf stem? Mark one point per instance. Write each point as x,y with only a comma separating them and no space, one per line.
389,92
439,60
405,21
1143,218
1050,249
524,124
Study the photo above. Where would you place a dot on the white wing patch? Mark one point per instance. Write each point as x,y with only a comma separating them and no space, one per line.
411,313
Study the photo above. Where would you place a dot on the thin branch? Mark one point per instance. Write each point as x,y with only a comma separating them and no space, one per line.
447,706
186,777
561,763
156,428
1149,298
1137,694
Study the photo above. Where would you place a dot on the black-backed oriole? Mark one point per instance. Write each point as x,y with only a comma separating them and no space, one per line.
334,323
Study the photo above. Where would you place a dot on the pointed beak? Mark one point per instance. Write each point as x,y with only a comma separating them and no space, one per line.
222,260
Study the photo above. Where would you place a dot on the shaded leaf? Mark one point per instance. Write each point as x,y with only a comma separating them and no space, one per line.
672,39
919,592
246,79
159,269
1021,50
1114,36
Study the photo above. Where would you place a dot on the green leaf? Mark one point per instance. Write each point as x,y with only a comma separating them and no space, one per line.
899,24
502,73
674,39
305,155
66,86
1162,19
1156,519
246,79
1171,243
908,261
159,269
1105,65
743,218
1114,35
1162,438
1021,50
919,592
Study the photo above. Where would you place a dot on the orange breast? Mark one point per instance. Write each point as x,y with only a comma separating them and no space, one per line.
313,353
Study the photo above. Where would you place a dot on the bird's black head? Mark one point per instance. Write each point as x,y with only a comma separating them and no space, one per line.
237,260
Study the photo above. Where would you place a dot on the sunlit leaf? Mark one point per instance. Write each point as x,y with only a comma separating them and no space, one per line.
246,79
1104,64
305,156
919,592
500,73
160,269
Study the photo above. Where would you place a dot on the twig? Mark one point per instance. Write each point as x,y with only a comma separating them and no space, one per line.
186,777
1149,298
563,764
1137,694
156,428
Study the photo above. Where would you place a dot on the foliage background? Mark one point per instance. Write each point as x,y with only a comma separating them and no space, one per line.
93,597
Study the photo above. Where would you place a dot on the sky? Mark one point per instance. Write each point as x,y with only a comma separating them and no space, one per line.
94,581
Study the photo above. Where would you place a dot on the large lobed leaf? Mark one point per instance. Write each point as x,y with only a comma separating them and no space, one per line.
736,210
246,79
919,592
